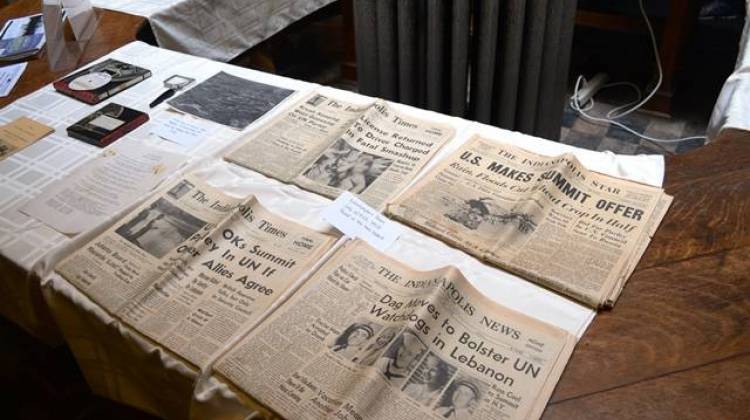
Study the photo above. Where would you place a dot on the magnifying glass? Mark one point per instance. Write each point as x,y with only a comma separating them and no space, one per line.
173,84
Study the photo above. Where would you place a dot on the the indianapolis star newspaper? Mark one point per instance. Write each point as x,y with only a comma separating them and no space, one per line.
192,268
368,337
548,219
328,146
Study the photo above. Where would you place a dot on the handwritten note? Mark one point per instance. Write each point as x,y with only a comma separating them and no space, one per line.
181,131
354,218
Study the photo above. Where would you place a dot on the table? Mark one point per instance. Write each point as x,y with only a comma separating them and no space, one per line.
115,360
24,303
216,29
677,345
115,30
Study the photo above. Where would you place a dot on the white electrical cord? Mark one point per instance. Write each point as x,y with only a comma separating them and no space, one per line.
615,113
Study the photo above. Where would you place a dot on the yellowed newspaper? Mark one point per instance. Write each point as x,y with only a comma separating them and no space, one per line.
369,337
288,143
193,268
328,146
548,219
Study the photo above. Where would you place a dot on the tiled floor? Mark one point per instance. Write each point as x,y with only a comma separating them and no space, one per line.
578,131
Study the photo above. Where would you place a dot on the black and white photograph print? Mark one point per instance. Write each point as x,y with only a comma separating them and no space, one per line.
160,228
371,353
316,100
429,379
347,168
401,357
230,100
461,398
179,190
354,338
475,212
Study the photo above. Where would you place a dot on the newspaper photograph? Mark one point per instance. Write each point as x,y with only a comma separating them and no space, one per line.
547,219
329,146
200,283
369,337
120,263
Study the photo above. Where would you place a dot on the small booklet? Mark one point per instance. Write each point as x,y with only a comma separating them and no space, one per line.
20,133
21,38
327,146
107,125
101,81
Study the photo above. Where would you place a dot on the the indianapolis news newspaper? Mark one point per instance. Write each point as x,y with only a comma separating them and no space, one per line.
367,337
363,336
548,219
328,146
193,268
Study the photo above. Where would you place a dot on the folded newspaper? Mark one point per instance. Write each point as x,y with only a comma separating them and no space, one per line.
305,332
547,219
328,146
368,337
193,268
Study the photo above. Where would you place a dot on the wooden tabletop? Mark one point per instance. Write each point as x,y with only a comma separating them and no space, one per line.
677,343
115,30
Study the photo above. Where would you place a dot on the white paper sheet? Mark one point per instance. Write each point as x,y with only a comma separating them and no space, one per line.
101,188
9,76
181,131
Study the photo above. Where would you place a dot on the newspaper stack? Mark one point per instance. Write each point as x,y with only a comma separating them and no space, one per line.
547,219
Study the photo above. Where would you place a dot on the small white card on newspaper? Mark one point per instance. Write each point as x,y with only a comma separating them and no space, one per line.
181,131
355,218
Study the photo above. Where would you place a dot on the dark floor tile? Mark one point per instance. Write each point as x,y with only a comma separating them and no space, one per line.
569,116
617,146
583,140
646,147
618,133
694,128
635,122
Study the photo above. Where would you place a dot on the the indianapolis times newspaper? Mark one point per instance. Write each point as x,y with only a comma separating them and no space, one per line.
328,146
192,268
369,337
548,219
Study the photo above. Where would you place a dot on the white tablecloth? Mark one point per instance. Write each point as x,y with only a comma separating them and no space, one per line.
732,108
24,241
216,29
120,364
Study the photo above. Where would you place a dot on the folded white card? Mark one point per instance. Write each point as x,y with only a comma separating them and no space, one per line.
355,218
